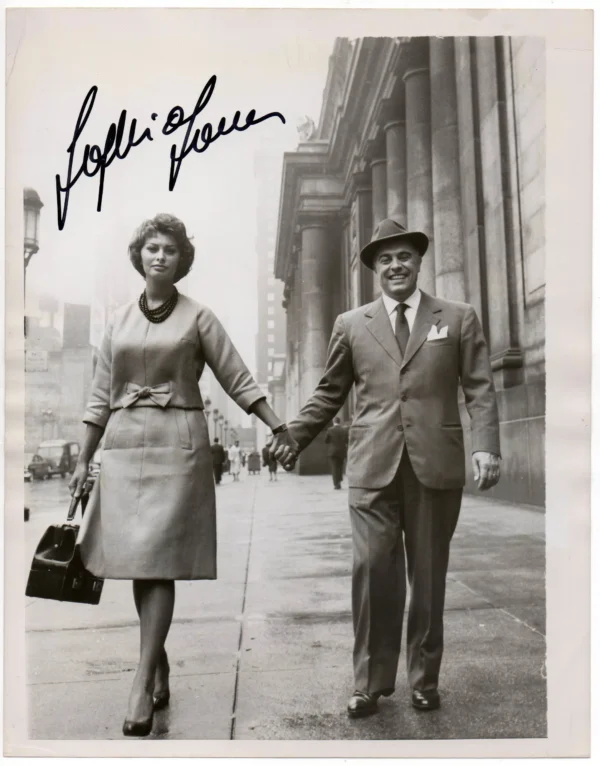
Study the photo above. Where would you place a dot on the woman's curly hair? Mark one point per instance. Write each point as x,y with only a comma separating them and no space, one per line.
163,223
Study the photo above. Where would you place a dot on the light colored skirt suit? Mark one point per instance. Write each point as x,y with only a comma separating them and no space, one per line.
151,514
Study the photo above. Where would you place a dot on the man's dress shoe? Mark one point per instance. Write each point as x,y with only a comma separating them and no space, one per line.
426,700
362,704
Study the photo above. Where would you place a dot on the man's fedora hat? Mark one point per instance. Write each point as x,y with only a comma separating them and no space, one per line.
387,231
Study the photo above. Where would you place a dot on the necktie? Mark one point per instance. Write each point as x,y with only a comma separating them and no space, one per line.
402,328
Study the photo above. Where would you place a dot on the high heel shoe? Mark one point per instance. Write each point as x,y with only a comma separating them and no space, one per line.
138,728
161,699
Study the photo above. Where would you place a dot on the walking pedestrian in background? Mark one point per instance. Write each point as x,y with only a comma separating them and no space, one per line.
151,514
235,460
336,439
218,457
269,461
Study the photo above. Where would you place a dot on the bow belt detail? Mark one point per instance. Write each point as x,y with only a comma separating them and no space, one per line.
159,394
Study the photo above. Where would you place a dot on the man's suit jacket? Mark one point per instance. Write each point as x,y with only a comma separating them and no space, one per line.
337,441
409,402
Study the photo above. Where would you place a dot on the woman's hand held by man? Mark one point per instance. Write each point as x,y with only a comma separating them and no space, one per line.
285,450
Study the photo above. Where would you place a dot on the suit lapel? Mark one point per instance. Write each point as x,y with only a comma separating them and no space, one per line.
380,327
428,314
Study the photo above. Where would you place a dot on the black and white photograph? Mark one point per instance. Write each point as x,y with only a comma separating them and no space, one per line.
281,388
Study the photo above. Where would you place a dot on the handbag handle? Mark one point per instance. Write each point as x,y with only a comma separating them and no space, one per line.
73,508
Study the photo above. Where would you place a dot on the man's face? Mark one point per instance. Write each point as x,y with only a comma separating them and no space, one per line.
397,266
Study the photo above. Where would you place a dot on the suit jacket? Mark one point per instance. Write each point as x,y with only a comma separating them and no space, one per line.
337,441
127,375
409,402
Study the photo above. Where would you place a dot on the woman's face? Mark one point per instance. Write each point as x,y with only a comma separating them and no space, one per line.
160,257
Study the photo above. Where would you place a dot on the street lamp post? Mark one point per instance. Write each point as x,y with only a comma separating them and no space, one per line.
221,419
32,204
207,403
216,419
225,429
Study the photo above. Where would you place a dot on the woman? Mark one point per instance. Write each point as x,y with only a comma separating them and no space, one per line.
235,460
151,515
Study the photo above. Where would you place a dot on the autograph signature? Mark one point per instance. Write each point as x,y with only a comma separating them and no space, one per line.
119,142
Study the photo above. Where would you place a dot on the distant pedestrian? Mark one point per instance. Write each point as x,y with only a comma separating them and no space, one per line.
235,461
269,461
151,517
337,449
218,457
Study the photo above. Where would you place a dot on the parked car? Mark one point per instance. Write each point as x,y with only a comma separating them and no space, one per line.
59,455
39,468
26,472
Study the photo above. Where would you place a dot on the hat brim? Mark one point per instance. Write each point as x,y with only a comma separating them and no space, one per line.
419,240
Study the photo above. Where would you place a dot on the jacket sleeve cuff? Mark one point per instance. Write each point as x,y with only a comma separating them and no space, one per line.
247,400
99,419
482,442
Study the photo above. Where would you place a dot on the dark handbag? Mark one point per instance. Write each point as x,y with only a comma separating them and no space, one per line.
57,571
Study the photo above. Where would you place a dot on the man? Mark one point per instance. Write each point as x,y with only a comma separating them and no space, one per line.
218,456
336,439
406,354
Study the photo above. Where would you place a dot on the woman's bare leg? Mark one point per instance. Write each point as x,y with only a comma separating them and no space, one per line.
162,669
155,600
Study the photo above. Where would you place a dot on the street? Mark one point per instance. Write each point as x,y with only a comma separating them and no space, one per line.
265,651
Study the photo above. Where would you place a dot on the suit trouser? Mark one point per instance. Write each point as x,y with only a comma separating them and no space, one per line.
218,471
337,469
402,529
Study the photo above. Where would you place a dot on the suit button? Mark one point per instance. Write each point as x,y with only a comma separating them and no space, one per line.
401,428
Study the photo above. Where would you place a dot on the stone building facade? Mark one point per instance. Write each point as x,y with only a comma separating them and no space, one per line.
58,377
447,134
271,319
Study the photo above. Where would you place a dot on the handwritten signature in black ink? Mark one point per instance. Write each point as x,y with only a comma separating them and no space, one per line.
119,142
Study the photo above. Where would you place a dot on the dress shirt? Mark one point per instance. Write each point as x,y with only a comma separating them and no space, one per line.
410,313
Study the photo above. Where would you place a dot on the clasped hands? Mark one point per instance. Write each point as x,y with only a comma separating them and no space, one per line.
486,465
285,449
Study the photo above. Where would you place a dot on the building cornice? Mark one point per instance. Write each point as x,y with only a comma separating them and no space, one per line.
321,178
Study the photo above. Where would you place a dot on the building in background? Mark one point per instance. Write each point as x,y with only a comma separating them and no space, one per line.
447,134
271,333
225,418
58,377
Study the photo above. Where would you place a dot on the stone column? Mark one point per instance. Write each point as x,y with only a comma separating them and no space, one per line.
379,190
361,229
419,189
378,206
395,142
506,355
470,178
447,223
315,330
314,322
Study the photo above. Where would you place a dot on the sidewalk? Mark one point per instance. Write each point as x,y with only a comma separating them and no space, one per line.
265,652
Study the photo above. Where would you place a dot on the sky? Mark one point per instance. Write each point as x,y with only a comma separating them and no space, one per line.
148,61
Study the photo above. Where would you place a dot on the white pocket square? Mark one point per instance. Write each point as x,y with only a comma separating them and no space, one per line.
435,334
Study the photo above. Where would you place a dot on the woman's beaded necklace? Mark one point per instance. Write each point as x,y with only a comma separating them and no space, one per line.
161,313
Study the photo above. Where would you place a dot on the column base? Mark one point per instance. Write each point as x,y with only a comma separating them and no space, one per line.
507,367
